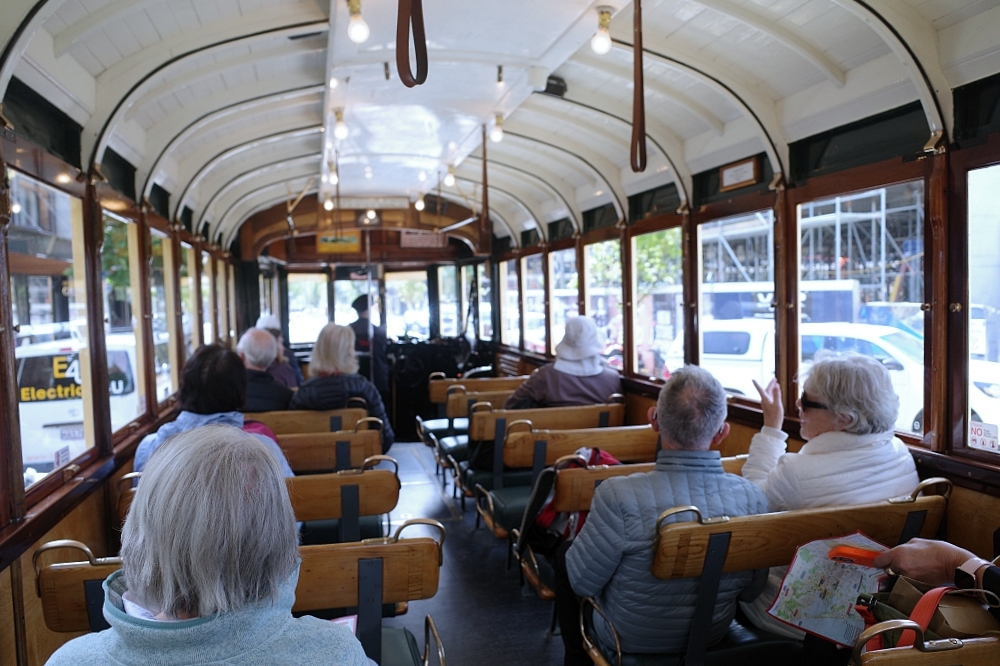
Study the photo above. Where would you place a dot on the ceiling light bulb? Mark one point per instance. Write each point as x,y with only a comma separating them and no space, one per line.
420,203
340,130
601,41
370,214
368,174
63,178
15,208
334,177
496,134
449,179
422,176
357,30
334,82
328,204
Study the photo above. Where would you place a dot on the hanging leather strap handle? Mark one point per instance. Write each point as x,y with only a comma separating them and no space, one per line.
638,152
922,613
411,12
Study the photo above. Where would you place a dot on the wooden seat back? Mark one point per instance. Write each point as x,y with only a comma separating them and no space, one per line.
460,401
328,496
625,443
307,420
330,451
71,592
483,421
438,385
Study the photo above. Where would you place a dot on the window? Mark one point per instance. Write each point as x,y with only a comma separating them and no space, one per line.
485,301
308,309
448,308
221,306
122,327
862,283
533,277
658,315
189,302
345,292
208,318
52,358
736,291
565,299
984,307
163,324
603,289
407,312
467,294
510,303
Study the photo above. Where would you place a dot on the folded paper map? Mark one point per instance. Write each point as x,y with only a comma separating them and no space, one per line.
818,594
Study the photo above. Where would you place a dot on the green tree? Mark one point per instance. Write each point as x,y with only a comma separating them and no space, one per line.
657,260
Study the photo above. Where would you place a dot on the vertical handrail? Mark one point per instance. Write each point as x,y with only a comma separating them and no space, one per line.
638,149
411,12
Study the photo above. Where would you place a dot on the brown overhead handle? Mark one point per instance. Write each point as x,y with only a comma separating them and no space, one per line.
411,12
638,152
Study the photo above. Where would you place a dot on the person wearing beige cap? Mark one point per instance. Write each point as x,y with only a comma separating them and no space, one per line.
579,375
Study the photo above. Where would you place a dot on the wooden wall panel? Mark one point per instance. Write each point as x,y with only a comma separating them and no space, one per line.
8,651
738,441
86,523
637,408
972,519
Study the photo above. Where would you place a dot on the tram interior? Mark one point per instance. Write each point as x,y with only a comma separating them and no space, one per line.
745,185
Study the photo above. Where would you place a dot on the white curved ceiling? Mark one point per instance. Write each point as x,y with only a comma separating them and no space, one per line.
223,102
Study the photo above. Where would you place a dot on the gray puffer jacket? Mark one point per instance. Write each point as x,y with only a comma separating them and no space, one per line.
611,558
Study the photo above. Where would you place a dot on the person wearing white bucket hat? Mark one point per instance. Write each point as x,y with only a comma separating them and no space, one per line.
579,375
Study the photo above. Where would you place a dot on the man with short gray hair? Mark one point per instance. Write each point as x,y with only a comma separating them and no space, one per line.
258,349
611,558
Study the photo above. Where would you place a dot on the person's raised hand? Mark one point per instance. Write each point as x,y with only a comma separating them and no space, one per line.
770,403
931,562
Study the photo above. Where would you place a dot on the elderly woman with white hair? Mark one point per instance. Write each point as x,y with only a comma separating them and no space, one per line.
209,566
579,375
335,379
847,410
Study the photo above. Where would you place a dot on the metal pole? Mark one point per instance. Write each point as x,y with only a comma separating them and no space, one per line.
371,327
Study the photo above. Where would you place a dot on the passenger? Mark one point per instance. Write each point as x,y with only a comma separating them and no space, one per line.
213,390
334,368
285,368
848,410
579,375
209,566
259,349
377,353
613,554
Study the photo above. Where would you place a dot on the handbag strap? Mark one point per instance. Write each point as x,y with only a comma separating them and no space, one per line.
922,613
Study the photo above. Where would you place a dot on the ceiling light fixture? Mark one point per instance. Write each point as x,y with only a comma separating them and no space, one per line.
601,41
368,172
496,134
420,203
334,82
370,214
334,177
449,179
63,178
340,130
499,76
357,30
328,204
15,207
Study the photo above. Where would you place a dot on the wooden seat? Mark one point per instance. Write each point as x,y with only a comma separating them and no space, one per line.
449,437
330,451
306,420
983,651
438,384
362,574
689,545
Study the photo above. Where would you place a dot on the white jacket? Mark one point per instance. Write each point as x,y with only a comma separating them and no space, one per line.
832,469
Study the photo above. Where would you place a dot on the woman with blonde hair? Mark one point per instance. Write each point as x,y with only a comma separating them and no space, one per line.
334,379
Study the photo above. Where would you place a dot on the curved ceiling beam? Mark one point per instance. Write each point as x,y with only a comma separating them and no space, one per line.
530,172
530,210
247,176
681,175
287,176
179,126
236,150
760,109
769,27
121,83
21,20
596,163
605,66
914,41
156,91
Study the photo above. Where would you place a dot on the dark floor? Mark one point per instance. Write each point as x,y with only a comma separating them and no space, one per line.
483,615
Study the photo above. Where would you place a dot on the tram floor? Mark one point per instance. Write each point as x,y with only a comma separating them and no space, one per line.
483,614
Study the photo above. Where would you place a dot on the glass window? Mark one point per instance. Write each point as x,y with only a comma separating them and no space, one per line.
485,301
407,312
221,306
565,298
122,326
448,310
162,298
510,303
344,293
658,315
189,301
603,293
467,294
533,275
736,290
231,285
208,318
55,408
862,282
308,309
984,306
